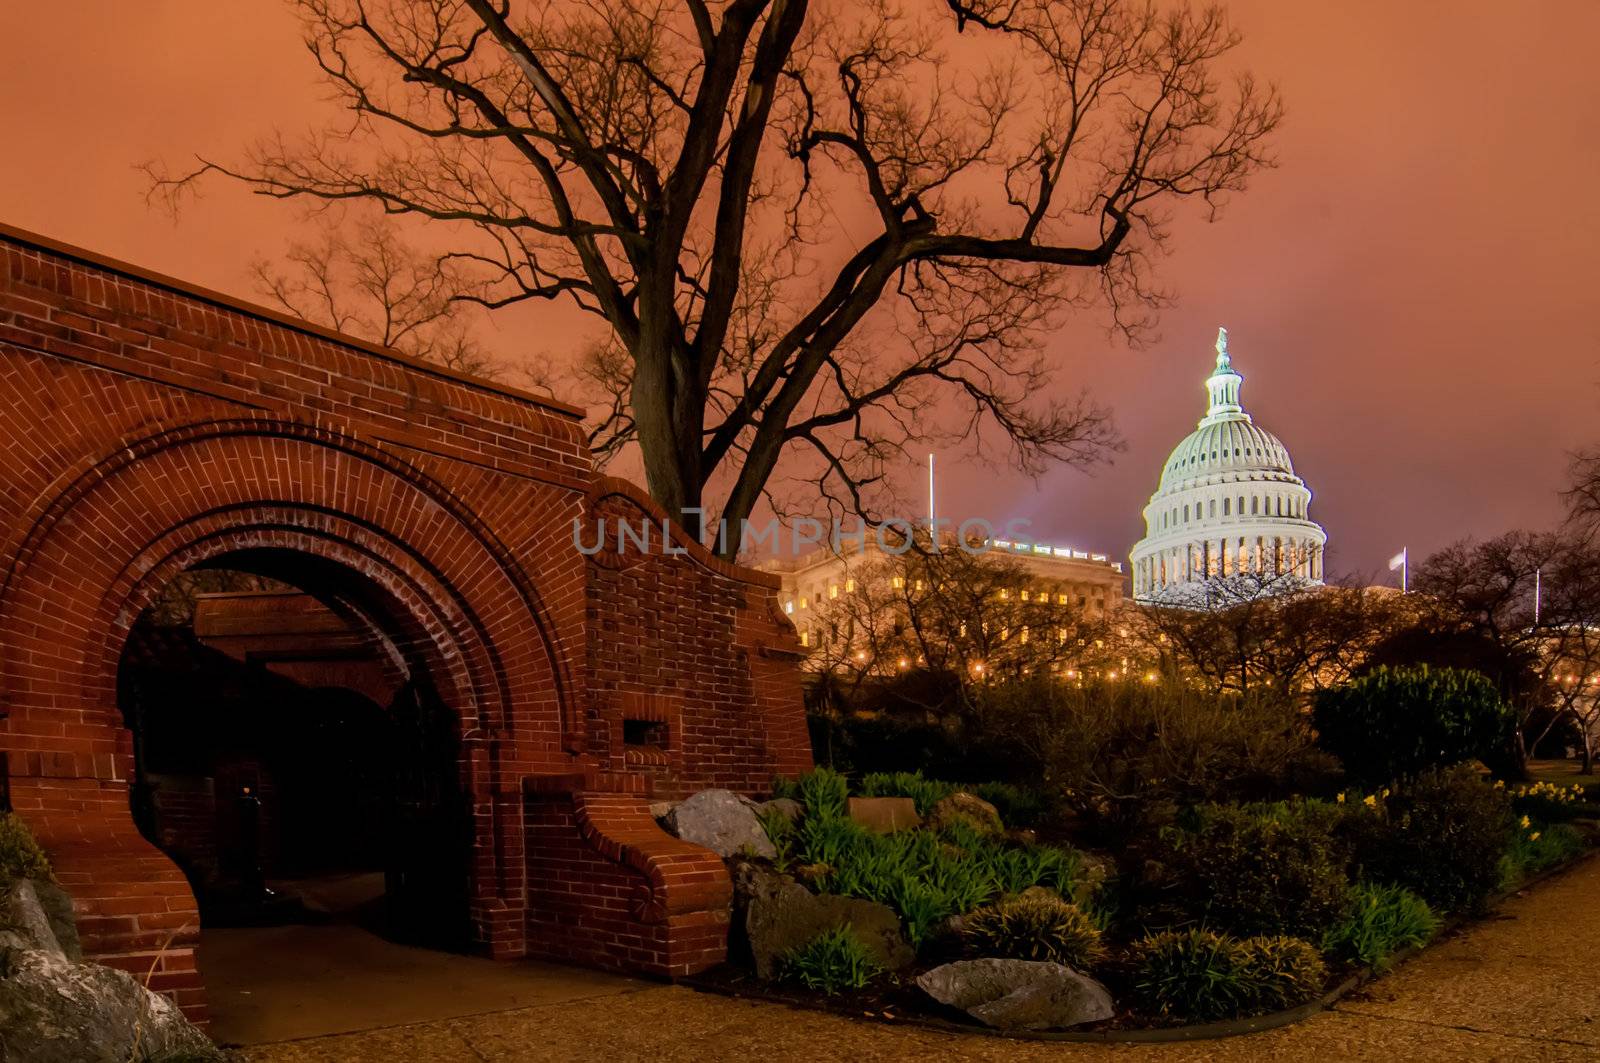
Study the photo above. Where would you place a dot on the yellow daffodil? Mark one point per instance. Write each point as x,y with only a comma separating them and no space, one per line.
1534,836
1370,801
1340,799
1525,822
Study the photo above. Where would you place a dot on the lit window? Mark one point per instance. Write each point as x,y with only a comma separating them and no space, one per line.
1061,599
919,585
1004,594
833,590
788,606
1024,595
803,603
898,582
849,586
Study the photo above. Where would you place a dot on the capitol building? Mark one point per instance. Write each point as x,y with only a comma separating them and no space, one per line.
1229,503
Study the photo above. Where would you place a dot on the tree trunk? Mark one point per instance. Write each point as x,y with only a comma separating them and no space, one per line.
669,417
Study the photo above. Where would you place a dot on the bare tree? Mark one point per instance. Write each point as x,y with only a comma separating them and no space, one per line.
805,224
359,276
1247,630
972,618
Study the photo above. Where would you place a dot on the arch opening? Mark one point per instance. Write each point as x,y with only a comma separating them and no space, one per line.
295,753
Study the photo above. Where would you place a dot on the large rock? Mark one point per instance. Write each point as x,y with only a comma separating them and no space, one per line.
787,807
23,916
53,1010
1019,994
781,915
965,808
723,822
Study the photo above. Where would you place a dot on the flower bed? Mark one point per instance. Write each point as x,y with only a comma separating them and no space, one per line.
1229,914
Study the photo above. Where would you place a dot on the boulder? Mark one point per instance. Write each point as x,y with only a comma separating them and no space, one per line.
54,1010
966,808
791,809
1019,994
22,914
57,905
885,815
723,822
781,915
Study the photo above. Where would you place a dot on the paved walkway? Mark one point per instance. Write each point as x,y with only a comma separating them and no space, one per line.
1520,986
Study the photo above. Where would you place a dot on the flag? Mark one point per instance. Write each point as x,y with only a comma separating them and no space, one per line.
1397,561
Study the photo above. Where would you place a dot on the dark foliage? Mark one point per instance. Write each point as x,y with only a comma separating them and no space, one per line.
1394,722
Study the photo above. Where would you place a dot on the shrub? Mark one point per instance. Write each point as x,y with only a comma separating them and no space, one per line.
1258,870
1377,922
1535,847
1395,722
20,855
1018,806
1201,976
1281,971
1035,927
834,960
1122,755
1442,835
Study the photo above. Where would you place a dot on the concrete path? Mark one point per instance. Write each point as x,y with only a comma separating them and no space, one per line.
1519,987
286,982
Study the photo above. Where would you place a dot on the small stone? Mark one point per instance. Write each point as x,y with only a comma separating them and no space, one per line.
721,821
1019,994
661,809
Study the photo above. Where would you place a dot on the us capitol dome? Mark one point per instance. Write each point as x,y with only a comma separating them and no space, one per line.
1229,504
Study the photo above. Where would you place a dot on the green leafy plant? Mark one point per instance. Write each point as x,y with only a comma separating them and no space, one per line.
1441,835
20,855
926,877
925,793
1257,869
1194,975
1035,927
1202,976
780,831
833,961
1393,723
1379,921
825,794
1536,847
1281,971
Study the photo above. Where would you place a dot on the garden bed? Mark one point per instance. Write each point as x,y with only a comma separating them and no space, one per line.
1231,918
899,1002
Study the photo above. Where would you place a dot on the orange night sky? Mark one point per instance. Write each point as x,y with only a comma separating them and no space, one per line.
1411,295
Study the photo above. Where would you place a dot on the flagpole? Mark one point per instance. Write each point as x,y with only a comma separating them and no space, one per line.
930,488
1538,591
1405,569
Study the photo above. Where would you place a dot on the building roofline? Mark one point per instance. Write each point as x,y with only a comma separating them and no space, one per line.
52,246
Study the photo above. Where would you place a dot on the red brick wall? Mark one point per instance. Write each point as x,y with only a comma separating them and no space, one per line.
149,426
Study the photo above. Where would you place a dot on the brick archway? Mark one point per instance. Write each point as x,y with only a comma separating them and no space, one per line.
150,426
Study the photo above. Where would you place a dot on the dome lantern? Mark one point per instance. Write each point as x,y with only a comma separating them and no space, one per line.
1223,386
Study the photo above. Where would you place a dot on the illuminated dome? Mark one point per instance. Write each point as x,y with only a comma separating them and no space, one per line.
1229,504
